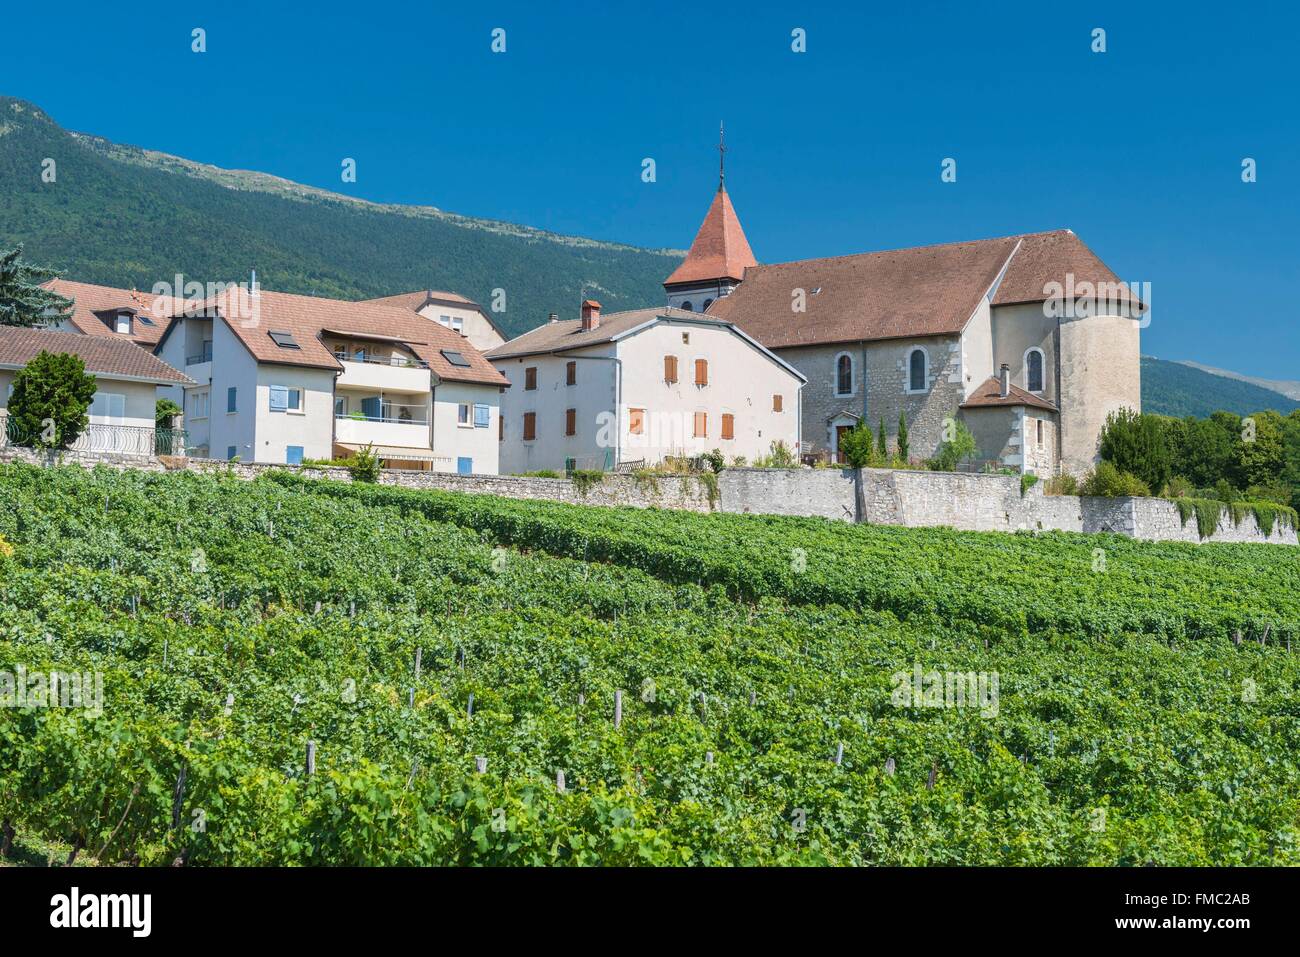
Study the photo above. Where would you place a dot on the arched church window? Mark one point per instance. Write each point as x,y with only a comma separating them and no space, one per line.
844,375
916,371
687,306
707,303
1034,370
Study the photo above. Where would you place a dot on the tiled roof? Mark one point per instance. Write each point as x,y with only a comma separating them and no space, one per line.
720,250
567,334
254,318
903,293
990,394
414,300
90,299
1050,257
102,355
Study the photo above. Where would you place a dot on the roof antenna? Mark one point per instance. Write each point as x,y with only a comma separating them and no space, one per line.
722,156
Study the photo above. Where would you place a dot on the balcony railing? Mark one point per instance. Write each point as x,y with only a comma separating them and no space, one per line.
205,356
396,361
99,437
409,418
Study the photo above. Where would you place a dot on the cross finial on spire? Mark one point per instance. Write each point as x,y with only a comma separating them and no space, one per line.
722,156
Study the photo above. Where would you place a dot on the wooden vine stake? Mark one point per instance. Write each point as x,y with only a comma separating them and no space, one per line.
469,711
934,774
311,758
889,767
839,753
618,708
559,781
480,765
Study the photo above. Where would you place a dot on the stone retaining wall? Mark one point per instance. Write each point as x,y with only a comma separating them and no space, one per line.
984,503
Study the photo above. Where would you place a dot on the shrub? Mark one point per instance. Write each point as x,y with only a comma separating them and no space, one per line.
856,447
957,449
902,437
364,466
1138,444
1063,484
164,411
47,409
1178,487
715,460
1027,481
781,457
1109,482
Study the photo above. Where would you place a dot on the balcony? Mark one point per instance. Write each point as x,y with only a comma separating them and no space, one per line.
391,373
399,425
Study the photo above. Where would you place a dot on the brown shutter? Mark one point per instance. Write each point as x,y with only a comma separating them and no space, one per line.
571,373
570,421
728,425
670,368
530,378
701,371
501,428
636,421
777,402
530,426
701,425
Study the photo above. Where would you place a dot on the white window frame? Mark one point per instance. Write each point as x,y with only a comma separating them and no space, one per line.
907,371
201,402
464,415
1024,364
107,417
835,376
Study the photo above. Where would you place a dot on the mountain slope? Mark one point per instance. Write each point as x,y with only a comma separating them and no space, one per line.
1178,389
1288,387
126,216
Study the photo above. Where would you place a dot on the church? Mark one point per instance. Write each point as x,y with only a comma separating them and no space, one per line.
1030,340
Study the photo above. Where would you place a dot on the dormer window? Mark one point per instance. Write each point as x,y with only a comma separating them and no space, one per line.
122,323
118,320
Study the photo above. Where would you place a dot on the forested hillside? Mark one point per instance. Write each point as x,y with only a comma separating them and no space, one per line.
123,216
1171,388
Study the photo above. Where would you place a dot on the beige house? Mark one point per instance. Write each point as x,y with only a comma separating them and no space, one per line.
127,379
451,311
927,332
600,392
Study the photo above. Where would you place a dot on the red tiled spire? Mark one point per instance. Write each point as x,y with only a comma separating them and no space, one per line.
720,250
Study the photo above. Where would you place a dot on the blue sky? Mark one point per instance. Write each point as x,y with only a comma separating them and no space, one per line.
832,151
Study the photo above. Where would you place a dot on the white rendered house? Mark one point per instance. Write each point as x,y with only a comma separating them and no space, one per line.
601,392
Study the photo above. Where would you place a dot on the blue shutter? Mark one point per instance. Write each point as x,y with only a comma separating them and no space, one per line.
371,408
279,398
464,466
293,455
482,416
230,399
230,452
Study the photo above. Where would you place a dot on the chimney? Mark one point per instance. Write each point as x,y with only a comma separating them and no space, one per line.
1004,380
554,318
590,315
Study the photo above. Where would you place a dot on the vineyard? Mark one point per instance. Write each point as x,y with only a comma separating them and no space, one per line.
319,673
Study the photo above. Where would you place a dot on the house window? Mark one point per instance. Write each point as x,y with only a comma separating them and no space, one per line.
1034,370
199,405
530,378
778,403
701,371
571,373
285,399
530,426
482,416
293,455
707,303
457,324
340,406
230,399
570,421
124,323
464,465
728,425
636,421
686,338
687,306
462,414
1040,433
844,374
670,369
701,425
110,406
916,370
444,321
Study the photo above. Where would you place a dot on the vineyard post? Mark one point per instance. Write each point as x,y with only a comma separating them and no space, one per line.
469,711
839,753
889,767
559,781
480,765
311,758
618,708
417,677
